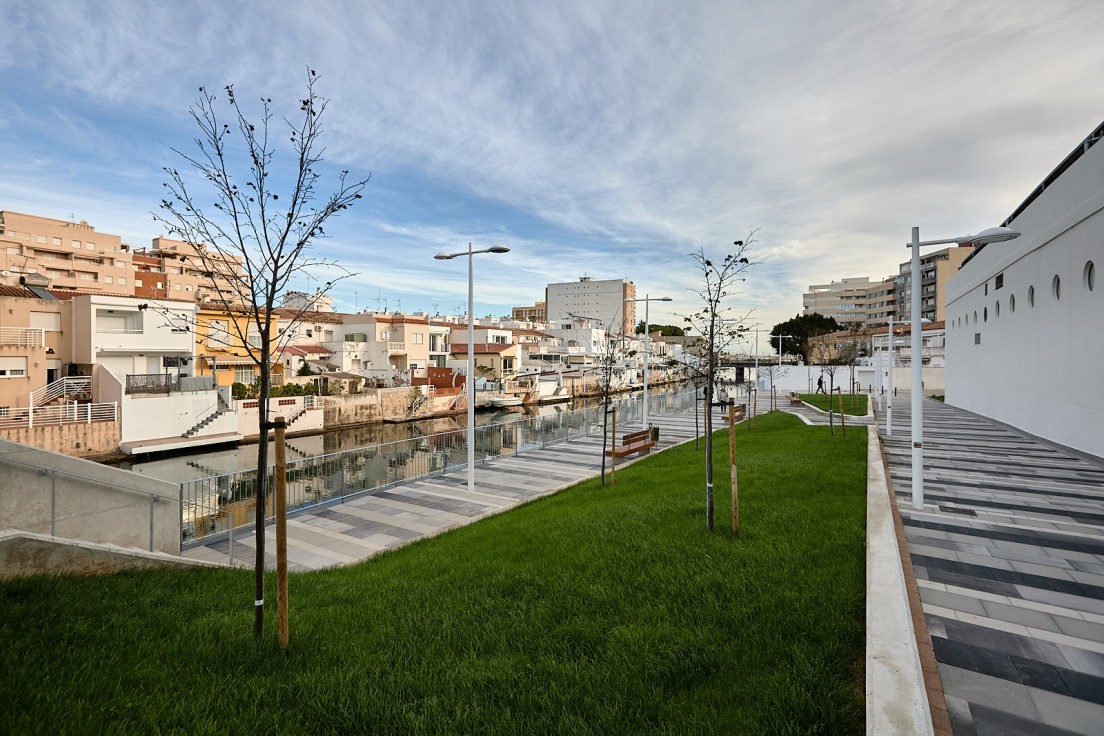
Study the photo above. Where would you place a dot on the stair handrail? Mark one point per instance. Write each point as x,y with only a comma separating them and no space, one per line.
60,387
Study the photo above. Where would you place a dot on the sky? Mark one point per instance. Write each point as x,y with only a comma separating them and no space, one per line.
591,137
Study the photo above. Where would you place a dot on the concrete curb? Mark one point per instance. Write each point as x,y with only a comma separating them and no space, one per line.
896,699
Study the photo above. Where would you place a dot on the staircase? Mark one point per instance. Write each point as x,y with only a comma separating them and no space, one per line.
70,388
221,408
417,403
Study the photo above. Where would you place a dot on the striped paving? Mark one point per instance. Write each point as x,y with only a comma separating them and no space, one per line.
1008,553
363,526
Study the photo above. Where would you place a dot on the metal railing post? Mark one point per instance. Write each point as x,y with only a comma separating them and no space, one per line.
153,500
53,501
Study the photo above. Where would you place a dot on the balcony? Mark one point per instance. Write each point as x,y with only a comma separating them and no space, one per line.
23,337
398,348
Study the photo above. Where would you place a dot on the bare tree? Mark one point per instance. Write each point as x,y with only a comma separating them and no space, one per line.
832,352
608,361
774,372
252,228
717,330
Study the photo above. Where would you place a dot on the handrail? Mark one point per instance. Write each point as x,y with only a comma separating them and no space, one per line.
110,484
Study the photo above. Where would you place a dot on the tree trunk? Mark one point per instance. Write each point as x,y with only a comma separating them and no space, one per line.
262,485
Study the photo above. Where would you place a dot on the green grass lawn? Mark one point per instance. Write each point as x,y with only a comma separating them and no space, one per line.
853,404
596,610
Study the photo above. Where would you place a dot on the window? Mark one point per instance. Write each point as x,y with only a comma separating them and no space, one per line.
1012,303
1090,276
975,316
137,282
75,243
255,340
244,374
418,338
1056,287
122,281
985,314
1000,281
55,241
108,279
40,239
176,287
90,246
160,284
218,332
1031,296
996,309
13,367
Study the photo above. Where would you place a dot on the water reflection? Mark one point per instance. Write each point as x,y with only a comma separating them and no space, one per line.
202,463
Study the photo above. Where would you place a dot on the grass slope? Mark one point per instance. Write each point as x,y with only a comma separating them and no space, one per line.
853,404
591,611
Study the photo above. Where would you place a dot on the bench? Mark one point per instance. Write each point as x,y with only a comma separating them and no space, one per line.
795,398
632,443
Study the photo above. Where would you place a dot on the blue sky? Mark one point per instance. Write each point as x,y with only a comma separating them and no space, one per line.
591,137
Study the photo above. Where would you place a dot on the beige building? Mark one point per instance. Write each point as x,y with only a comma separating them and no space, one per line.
854,301
58,254
43,252
936,270
536,313
32,350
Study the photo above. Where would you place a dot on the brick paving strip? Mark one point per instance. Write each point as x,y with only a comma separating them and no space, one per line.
1008,558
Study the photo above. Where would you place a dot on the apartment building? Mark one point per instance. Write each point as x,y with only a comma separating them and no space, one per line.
936,269
603,301
59,254
854,301
536,313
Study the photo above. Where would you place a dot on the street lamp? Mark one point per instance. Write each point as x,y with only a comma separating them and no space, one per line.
442,256
992,235
780,337
647,299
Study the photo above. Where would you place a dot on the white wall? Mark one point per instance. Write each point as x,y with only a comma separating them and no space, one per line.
154,417
1038,367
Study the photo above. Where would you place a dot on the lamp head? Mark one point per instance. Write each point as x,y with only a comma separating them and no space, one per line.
443,256
498,249
665,299
994,235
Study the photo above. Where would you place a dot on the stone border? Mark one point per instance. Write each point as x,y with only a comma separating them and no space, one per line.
896,697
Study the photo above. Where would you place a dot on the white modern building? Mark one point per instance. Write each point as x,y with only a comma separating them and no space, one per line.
1024,317
603,301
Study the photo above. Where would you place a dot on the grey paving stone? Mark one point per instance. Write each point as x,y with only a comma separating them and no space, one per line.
995,693
953,601
1022,616
1063,711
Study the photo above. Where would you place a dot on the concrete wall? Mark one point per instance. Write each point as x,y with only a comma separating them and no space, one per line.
24,553
81,440
1037,366
86,500
248,415
148,417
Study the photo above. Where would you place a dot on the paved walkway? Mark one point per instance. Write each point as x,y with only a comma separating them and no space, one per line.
343,533
1008,554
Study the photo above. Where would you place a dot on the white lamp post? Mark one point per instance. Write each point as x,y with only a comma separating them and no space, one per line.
646,300
889,398
780,337
992,235
471,350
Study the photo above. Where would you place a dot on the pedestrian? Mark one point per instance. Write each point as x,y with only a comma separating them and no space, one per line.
820,386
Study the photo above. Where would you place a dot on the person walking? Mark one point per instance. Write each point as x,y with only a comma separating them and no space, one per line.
820,386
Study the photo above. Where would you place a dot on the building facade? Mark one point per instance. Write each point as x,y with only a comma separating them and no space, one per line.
1024,316
855,301
603,301
936,269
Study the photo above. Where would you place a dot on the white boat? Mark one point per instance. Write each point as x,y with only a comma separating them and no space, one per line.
503,401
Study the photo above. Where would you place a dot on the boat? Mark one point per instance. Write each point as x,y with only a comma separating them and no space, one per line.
504,401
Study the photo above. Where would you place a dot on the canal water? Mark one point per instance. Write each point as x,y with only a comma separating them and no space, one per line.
199,463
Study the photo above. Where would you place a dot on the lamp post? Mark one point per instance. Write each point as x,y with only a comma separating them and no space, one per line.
889,397
992,235
780,338
442,256
647,299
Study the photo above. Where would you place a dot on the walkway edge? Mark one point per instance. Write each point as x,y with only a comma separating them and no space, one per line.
896,700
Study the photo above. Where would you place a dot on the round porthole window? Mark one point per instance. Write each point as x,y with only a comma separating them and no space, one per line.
1090,276
1056,287
1031,296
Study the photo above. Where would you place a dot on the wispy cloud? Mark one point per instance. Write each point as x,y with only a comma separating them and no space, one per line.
602,137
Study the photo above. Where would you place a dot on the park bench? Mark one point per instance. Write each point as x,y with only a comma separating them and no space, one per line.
795,398
632,443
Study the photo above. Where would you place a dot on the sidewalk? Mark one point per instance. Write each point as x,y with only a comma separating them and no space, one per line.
1008,554
343,533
